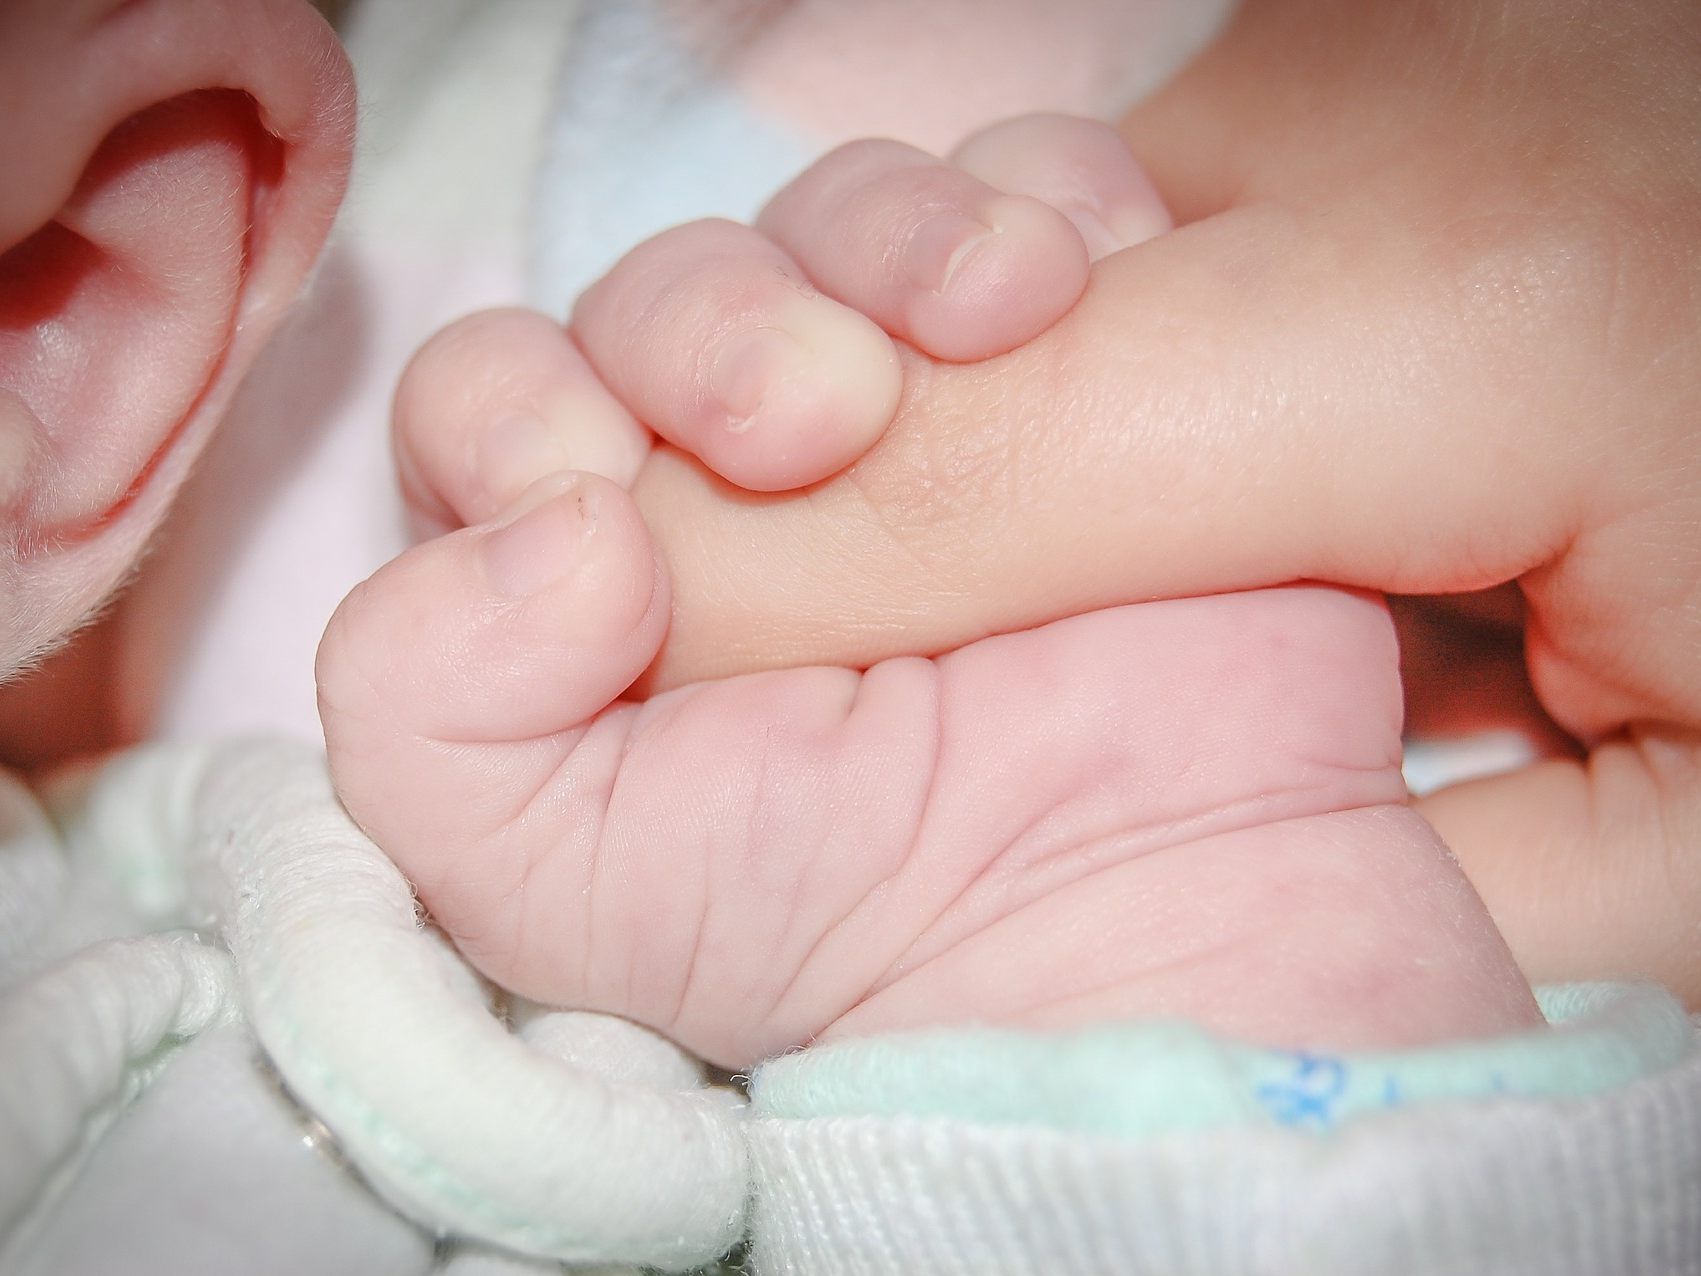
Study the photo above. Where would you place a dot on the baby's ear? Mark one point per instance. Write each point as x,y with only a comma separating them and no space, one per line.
168,173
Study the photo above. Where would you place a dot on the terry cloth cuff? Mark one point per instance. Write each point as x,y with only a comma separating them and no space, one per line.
1158,1148
1137,1080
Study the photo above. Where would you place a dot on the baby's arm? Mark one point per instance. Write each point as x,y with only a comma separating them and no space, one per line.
1187,809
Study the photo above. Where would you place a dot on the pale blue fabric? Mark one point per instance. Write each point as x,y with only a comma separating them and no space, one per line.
644,135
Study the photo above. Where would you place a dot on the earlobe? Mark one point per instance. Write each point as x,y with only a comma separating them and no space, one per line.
207,146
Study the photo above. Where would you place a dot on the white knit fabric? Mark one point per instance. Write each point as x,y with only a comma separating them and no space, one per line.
1607,1186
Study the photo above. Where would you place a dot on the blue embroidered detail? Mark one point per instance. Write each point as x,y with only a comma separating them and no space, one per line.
1309,1096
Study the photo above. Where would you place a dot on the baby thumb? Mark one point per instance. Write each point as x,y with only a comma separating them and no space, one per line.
454,682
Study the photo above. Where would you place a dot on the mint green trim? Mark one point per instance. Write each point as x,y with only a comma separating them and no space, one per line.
1159,1077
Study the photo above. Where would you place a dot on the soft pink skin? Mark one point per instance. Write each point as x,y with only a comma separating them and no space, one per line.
1188,808
861,260
968,270
690,333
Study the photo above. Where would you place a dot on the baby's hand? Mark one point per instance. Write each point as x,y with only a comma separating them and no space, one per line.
1421,331
777,355
1185,809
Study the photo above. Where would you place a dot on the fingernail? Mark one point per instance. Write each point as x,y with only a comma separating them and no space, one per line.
1100,239
538,543
516,451
1132,216
939,247
1138,222
746,366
